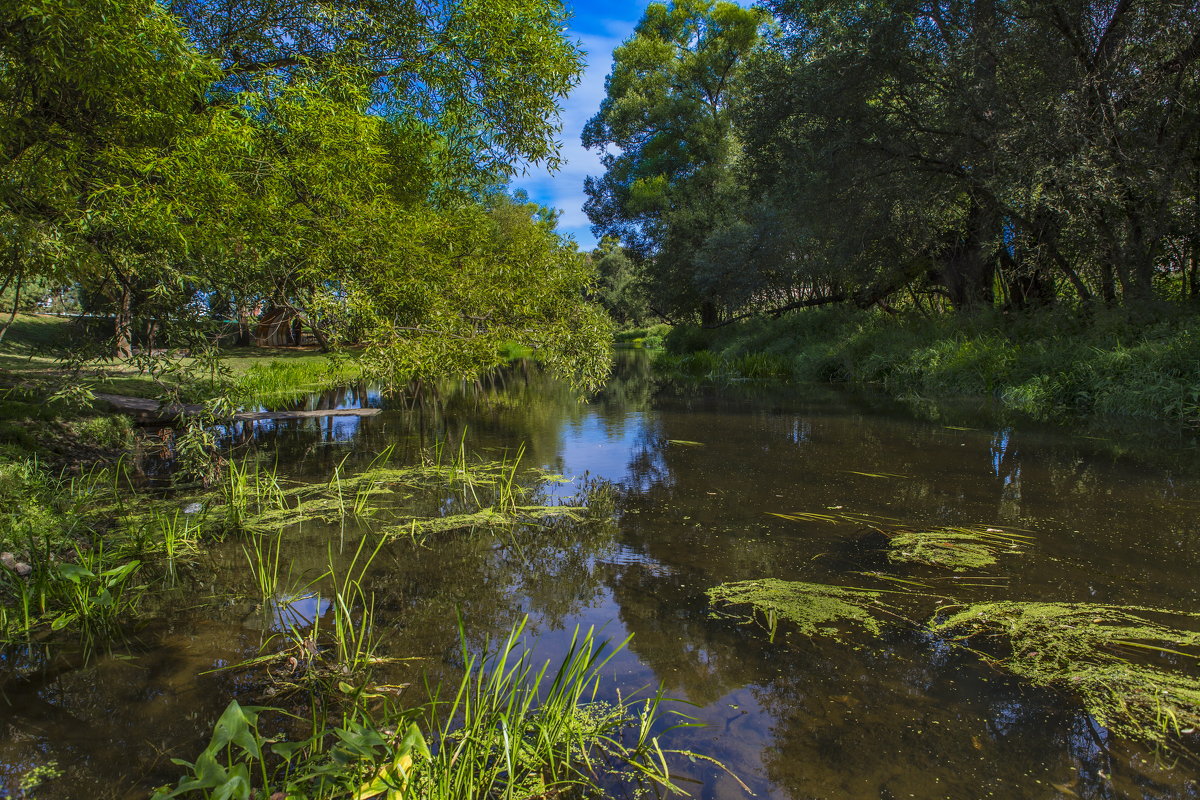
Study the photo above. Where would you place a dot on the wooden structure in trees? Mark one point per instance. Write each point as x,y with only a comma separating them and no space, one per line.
280,327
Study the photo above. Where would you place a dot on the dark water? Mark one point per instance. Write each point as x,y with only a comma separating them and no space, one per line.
1113,516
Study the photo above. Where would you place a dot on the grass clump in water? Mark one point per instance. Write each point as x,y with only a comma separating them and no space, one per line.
814,608
510,730
1136,676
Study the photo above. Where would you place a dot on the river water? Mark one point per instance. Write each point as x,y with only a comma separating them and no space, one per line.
699,472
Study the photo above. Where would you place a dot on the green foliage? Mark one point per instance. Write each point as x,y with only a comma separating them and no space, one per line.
344,164
622,287
113,432
666,114
936,156
487,277
651,338
509,730
1047,364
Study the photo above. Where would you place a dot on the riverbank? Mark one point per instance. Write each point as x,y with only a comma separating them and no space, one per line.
1049,365
53,407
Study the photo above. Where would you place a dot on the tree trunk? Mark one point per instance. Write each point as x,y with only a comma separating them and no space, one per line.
16,302
243,322
123,325
1108,286
968,272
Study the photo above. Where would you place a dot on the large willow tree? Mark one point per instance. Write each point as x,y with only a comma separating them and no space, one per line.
1029,149
967,153
344,159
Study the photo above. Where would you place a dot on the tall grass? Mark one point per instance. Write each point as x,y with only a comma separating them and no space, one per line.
1047,364
289,380
511,729
250,490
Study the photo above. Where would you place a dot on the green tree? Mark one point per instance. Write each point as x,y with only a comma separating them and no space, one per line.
667,114
621,284
345,160
970,149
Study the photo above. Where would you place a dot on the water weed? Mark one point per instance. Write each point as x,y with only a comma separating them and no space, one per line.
815,609
510,729
1132,671
958,549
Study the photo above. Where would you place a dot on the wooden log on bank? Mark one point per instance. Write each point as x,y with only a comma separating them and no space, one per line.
145,410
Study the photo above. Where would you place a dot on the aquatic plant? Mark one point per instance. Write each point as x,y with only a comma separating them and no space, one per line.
958,549
509,730
251,491
255,500
814,608
1135,674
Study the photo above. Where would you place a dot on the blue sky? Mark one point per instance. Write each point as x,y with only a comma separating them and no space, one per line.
598,26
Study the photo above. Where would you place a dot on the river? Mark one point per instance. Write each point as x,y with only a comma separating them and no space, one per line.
699,472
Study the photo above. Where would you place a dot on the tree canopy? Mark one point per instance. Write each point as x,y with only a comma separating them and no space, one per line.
959,153
346,161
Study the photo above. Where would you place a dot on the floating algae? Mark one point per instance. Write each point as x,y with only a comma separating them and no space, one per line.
484,518
1137,677
958,549
816,609
258,503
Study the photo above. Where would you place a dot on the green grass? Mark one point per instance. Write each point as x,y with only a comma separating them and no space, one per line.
650,337
1049,364
511,729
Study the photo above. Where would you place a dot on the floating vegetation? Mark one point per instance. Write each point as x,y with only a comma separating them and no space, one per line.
685,442
814,608
955,548
256,502
875,474
840,518
1136,676
958,549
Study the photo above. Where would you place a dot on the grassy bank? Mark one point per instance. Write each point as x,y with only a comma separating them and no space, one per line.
47,387
651,337
1048,364
41,348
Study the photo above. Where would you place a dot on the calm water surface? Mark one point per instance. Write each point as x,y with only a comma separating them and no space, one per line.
698,471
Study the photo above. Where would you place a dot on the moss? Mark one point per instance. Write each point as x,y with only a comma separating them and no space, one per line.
1134,674
814,608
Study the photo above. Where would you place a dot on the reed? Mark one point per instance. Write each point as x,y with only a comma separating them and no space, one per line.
354,641
510,729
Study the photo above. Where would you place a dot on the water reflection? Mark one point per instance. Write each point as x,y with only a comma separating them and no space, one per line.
895,718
